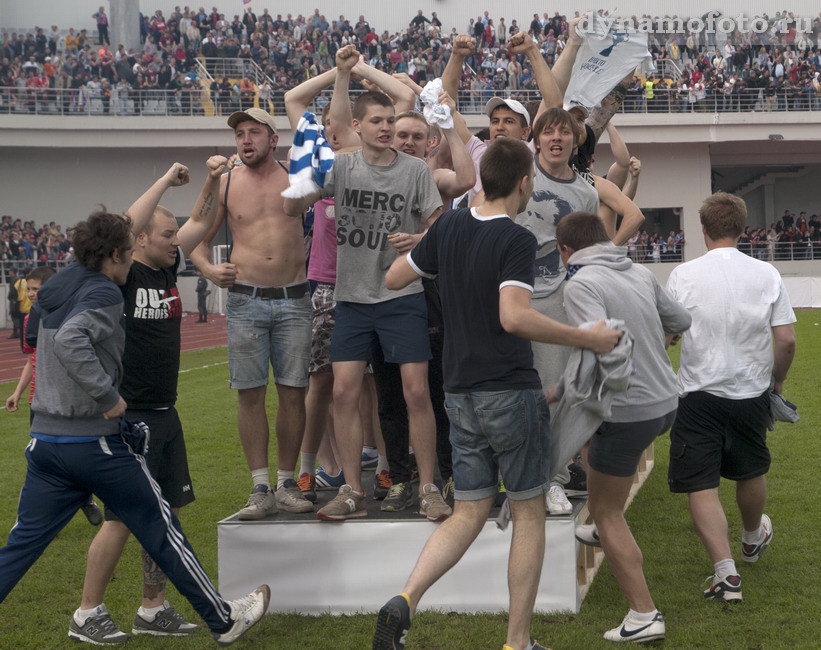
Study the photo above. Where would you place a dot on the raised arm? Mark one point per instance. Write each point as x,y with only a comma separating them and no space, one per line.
143,208
563,67
404,98
632,218
600,115
298,99
462,177
632,185
202,217
463,47
340,115
522,43
618,171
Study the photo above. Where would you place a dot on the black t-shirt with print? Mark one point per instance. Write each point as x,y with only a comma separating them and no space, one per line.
153,313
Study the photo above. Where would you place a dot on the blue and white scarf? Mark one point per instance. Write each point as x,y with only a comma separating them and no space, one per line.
310,159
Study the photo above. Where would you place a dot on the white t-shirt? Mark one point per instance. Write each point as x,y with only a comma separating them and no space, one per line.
734,301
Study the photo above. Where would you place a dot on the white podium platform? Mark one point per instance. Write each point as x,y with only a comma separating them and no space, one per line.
355,566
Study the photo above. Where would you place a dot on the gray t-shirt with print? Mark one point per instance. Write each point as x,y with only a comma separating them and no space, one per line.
552,200
372,202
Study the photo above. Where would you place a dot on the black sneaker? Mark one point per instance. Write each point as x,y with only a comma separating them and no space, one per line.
392,624
728,589
577,486
307,485
400,496
92,512
447,491
97,630
381,484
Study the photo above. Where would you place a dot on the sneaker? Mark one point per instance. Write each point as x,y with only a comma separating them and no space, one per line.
577,486
245,613
557,503
325,481
307,485
633,631
752,552
534,645
290,498
588,535
93,512
260,504
381,484
168,622
345,505
369,459
392,624
432,505
400,496
728,589
98,629
448,490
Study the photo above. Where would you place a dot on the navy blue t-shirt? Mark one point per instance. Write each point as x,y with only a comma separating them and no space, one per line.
474,257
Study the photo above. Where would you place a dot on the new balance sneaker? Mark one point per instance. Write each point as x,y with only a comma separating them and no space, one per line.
381,484
260,504
290,498
752,552
345,505
432,505
307,485
167,622
369,459
577,486
400,496
448,490
245,613
93,512
392,624
633,631
728,589
325,481
97,630
588,534
557,503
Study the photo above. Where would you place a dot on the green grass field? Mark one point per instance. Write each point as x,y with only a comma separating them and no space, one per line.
781,593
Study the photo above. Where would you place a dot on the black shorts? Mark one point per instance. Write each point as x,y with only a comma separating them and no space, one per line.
716,437
616,448
167,459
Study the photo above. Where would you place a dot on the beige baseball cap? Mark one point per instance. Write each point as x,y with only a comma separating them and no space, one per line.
255,114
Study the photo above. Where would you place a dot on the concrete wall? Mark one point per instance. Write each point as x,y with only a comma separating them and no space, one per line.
384,15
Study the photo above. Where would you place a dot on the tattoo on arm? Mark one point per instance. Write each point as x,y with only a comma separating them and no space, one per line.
153,578
600,116
207,202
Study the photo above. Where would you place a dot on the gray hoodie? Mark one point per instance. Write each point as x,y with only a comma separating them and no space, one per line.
609,285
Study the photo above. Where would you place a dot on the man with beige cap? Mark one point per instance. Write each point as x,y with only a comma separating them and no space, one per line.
269,309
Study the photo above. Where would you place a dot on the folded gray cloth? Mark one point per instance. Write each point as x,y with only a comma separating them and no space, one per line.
781,410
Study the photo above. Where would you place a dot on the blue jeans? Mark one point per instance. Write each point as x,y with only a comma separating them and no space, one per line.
494,432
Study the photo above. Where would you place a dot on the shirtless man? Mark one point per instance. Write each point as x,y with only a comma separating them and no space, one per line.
269,309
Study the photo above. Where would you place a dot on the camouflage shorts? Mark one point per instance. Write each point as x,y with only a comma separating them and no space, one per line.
324,308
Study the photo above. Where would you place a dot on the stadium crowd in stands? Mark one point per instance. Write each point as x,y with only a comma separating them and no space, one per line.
777,70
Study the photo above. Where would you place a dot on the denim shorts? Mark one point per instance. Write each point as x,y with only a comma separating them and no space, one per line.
399,326
268,331
495,432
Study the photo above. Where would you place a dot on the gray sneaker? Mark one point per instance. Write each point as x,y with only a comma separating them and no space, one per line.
98,629
400,496
168,622
432,505
260,504
290,498
345,505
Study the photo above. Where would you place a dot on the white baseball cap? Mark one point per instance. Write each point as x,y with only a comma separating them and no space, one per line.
512,104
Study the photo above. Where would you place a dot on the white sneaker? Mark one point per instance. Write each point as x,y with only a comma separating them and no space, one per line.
245,613
557,503
633,631
260,504
752,552
588,535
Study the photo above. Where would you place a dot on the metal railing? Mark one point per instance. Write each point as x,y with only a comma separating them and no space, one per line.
781,251
234,69
194,100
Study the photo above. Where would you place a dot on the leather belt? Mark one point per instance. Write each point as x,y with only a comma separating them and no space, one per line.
272,293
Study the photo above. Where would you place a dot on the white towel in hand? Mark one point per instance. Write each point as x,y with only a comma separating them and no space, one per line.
434,112
311,158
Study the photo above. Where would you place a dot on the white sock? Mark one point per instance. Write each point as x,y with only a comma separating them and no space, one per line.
368,449
382,464
725,568
82,615
753,537
643,617
308,464
283,475
260,477
150,613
